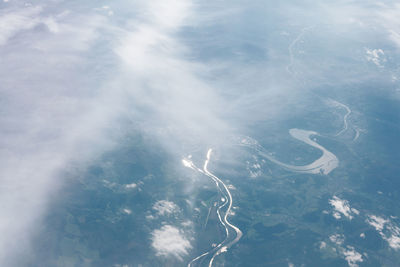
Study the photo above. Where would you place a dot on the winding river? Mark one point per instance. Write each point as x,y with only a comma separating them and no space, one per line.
323,165
233,233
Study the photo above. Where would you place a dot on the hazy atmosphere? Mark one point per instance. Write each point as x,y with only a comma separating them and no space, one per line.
199,133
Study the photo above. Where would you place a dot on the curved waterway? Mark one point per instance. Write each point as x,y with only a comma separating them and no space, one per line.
233,233
289,68
323,165
345,117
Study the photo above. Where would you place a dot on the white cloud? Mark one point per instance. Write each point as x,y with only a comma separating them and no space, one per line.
187,224
352,256
254,168
14,21
374,16
51,24
387,16
49,125
377,56
150,217
180,106
131,186
377,222
342,207
347,252
169,14
170,241
394,240
386,229
127,211
337,239
395,37
337,215
164,207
